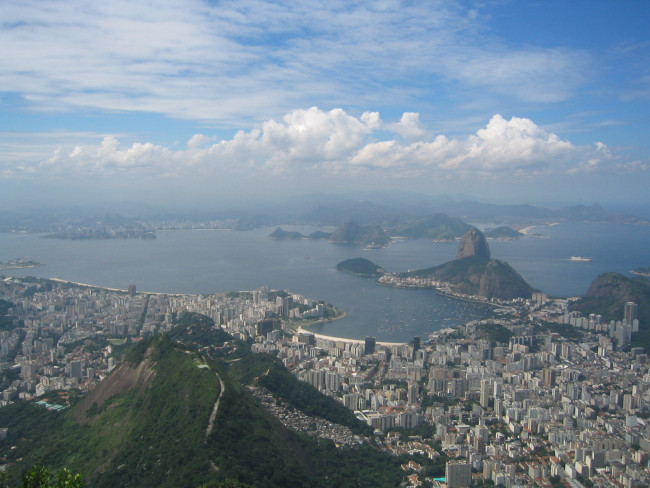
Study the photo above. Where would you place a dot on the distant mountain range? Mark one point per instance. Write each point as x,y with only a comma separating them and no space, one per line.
394,215
367,235
390,210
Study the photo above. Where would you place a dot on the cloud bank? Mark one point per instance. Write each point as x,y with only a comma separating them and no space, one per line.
336,144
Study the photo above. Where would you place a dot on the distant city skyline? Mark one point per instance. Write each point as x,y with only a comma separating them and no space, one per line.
204,101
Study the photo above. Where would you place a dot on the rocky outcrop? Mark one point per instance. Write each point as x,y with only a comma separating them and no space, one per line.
473,244
125,377
476,275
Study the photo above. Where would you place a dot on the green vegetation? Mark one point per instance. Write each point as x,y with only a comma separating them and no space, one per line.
277,293
229,483
608,295
145,425
6,323
41,477
149,434
280,234
366,235
244,295
475,275
360,267
565,330
495,332
503,232
437,227
267,371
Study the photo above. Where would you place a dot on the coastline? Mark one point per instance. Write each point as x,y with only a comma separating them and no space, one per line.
637,273
465,298
526,230
297,330
345,339
119,290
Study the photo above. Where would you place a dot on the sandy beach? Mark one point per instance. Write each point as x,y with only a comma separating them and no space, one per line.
344,339
119,290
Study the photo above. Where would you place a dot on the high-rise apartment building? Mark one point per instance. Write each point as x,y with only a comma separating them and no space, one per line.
458,474
629,313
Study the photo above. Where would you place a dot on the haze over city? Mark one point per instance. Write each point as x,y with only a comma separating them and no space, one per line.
201,101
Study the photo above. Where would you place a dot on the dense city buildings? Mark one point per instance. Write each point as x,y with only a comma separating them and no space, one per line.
534,393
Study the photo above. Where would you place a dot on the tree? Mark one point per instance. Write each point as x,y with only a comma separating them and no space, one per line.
41,477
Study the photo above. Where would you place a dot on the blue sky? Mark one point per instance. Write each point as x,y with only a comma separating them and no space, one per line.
194,100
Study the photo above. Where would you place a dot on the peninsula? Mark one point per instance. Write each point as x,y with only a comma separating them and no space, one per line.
472,274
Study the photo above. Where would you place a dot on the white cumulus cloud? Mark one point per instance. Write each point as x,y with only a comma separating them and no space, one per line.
316,142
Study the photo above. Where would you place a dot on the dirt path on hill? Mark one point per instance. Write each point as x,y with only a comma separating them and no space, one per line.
215,408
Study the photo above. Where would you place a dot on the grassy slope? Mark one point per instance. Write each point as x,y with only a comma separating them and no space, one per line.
142,437
153,433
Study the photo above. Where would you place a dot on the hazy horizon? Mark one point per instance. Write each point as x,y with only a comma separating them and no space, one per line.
207,102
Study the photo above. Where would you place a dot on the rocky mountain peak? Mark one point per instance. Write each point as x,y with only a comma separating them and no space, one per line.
473,243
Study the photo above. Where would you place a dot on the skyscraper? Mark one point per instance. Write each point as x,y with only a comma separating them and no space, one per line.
369,345
548,377
485,393
458,474
629,314
416,346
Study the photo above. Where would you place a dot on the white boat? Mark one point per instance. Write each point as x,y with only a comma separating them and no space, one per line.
580,259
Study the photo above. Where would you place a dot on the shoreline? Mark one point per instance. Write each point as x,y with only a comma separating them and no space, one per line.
465,298
638,273
346,339
118,290
297,330
526,230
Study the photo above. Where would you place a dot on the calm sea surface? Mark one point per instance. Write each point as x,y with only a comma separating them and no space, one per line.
215,261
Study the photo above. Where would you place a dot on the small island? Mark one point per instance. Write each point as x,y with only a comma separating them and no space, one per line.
19,263
361,267
280,234
503,233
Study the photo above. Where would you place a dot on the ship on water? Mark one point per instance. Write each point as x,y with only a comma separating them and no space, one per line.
580,259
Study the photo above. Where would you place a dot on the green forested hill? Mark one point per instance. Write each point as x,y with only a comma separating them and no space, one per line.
475,275
361,267
437,226
608,295
281,234
503,232
145,425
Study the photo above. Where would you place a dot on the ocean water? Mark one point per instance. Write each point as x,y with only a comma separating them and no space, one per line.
206,262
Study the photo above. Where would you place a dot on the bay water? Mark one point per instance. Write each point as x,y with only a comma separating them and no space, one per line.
205,262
